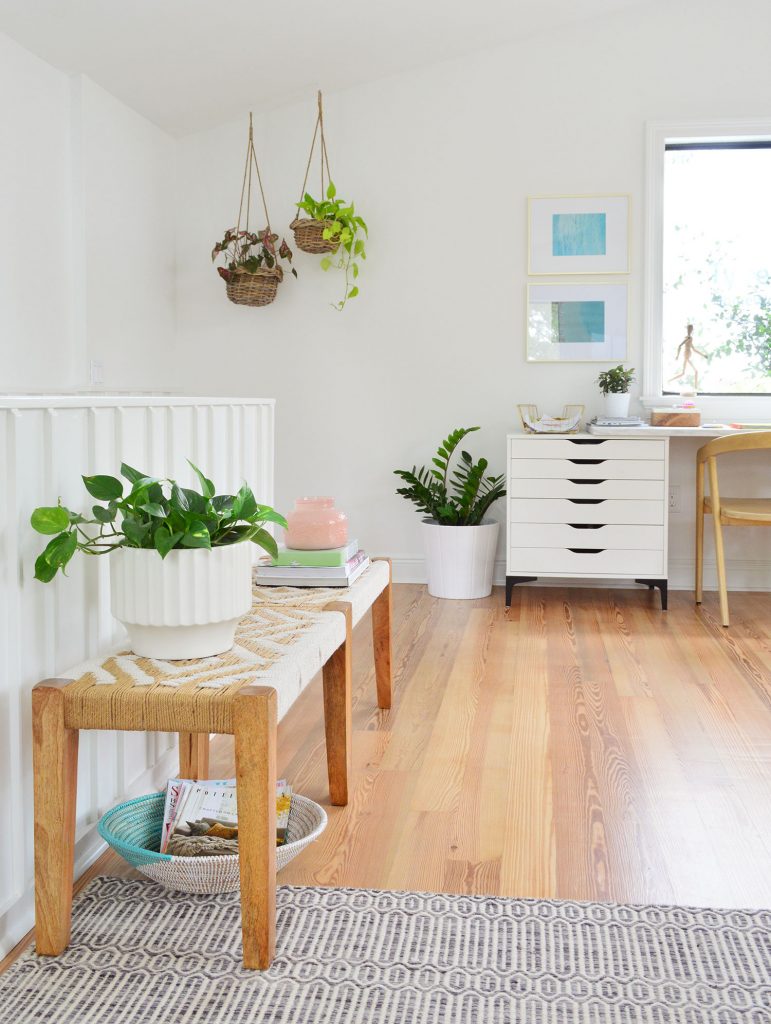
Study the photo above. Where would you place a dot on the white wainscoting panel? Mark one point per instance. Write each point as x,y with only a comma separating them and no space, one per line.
45,446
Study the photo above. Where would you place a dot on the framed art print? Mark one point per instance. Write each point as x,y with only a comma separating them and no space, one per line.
578,234
576,322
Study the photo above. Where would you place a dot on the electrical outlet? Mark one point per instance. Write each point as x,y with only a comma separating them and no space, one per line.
674,498
96,372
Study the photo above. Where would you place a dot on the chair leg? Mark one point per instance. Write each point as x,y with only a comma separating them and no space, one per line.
254,727
337,711
699,583
55,782
194,755
381,638
721,577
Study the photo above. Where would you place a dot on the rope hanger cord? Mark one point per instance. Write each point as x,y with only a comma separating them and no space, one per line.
324,158
246,185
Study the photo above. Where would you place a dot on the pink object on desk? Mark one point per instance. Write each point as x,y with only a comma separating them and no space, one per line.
314,524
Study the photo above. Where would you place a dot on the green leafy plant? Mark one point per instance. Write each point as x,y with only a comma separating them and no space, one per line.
615,381
459,497
345,226
154,513
247,251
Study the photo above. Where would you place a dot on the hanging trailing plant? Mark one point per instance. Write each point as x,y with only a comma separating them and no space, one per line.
252,271
332,225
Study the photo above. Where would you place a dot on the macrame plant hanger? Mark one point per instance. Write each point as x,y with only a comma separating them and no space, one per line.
259,287
308,232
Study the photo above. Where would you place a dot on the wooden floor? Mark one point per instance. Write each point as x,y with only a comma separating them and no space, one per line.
582,745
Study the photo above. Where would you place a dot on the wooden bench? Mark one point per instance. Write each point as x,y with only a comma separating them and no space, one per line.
280,646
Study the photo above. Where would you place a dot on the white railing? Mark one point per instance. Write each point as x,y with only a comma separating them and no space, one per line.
46,443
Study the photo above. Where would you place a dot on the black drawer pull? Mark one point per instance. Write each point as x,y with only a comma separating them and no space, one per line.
586,481
586,526
586,440
587,501
587,462
586,551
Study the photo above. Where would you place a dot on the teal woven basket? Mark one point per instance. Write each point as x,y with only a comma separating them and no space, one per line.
133,829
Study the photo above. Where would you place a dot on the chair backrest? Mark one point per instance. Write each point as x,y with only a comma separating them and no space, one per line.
745,442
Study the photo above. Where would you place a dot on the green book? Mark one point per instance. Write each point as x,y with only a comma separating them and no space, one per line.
328,557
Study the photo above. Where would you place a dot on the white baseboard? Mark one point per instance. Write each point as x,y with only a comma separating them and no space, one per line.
743,574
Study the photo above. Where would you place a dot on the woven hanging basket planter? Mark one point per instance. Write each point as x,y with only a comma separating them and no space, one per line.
309,235
257,289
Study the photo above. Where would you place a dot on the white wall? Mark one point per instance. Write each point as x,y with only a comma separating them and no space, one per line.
440,162
86,207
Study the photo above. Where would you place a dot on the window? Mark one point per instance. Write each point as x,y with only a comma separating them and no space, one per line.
709,265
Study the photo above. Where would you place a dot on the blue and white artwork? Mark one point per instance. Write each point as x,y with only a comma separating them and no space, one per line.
578,234
578,323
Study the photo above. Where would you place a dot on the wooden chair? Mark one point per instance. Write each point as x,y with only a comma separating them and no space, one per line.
725,511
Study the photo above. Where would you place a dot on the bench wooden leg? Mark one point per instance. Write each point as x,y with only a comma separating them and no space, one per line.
55,781
337,711
254,727
381,637
194,755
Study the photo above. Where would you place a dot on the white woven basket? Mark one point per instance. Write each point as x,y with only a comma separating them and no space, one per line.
307,820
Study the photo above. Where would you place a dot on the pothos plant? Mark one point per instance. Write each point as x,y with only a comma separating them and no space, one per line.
248,251
153,513
459,497
344,226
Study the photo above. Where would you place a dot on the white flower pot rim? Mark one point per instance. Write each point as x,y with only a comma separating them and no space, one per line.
466,526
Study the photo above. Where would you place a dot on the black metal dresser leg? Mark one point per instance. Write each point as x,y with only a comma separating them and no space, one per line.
511,581
663,587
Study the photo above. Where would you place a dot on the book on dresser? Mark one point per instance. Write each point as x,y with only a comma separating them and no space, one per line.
587,507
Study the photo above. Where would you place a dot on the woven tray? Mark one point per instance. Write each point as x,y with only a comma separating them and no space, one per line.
133,829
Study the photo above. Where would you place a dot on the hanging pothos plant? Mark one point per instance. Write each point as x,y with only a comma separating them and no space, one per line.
332,227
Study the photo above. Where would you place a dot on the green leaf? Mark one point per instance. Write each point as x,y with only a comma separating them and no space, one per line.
131,474
265,541
207,487
56,555
355,270
165,540
331,191
353,292
104,515
326,263
152,508
103,488
196,536
358,247
178,499
50,519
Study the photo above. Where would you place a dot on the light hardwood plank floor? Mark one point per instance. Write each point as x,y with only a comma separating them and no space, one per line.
582,745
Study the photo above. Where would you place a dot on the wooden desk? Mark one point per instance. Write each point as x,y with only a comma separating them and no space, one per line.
647,431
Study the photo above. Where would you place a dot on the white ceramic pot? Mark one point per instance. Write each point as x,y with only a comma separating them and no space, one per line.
186,605
460,559
617,405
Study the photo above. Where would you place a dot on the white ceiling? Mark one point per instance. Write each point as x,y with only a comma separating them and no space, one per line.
189,64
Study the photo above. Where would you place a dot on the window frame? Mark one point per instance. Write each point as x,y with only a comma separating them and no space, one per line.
658,135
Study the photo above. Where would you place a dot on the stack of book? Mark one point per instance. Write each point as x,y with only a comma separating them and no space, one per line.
618,421
332,567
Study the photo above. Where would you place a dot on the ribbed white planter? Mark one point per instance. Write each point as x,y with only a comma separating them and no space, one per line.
460,559
186,605
617,405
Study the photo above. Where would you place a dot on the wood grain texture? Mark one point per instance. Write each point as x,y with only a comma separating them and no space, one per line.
336,676
55,783
254,723
382,615
582,745
194,755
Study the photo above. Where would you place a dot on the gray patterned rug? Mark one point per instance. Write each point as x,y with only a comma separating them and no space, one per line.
142,954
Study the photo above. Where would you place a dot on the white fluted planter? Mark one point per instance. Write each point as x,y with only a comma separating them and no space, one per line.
460,559
186,605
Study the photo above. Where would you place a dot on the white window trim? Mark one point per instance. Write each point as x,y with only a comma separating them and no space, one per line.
734,407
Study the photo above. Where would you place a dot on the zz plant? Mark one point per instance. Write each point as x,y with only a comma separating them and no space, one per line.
152,513
452,497
345,226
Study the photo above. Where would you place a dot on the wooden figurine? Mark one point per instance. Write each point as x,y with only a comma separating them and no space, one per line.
688,347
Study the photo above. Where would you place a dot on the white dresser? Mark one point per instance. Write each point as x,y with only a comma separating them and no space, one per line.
587,507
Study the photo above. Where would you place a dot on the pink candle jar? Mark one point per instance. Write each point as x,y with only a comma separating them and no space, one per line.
315,524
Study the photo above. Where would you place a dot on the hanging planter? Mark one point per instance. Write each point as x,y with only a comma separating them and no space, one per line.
331,226
252,272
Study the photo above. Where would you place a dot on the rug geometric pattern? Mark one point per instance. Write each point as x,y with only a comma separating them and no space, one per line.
141,954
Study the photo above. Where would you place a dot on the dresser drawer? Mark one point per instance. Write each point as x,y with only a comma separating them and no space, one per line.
642,490
584,560
582,468
586,448
587,535
576,510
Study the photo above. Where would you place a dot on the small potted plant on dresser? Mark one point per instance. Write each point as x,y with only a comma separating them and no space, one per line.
459,541
180,561
614,385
